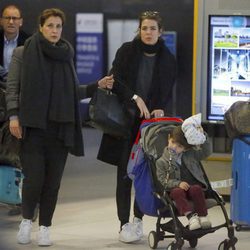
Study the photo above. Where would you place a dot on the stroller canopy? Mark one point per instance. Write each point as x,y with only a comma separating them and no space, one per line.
154,137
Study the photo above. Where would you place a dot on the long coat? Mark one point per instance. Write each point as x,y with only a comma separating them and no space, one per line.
13,97
125,69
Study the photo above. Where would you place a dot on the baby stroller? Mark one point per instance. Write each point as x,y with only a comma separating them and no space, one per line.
153,200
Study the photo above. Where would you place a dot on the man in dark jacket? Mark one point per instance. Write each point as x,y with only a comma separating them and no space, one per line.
10,37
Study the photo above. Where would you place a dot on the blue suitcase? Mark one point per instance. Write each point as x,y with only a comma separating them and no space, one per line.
240,192
10,185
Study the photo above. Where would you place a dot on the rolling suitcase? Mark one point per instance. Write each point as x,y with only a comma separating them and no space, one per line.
10,185
240,192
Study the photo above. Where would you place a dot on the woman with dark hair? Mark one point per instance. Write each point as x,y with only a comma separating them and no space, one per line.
144,73
43,107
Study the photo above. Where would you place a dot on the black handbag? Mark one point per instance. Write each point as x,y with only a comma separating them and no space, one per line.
107,114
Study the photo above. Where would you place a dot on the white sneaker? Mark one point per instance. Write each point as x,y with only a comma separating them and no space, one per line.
127,234
24,234
138,227
43,236
194,222
205,223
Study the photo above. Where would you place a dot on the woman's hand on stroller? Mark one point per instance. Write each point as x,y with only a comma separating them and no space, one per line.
184,185
157,113
142,107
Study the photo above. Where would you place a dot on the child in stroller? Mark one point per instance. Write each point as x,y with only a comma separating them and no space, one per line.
154,134
179,172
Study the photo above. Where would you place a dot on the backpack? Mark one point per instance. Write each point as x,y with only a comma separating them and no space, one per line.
237,120
144,189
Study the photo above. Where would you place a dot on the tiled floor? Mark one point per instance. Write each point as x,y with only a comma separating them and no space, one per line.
85,217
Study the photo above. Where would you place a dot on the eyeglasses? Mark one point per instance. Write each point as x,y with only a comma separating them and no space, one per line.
150,13
14,18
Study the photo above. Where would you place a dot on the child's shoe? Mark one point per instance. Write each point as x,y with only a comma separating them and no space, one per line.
205,223
194,222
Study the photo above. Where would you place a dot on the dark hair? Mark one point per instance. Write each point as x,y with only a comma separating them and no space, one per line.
51,12
152,15
178,136
11,6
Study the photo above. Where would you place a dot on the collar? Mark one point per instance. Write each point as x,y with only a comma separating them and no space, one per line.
12,40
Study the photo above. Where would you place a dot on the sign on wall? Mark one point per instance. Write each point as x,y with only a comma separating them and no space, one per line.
89,47
170,38
228,63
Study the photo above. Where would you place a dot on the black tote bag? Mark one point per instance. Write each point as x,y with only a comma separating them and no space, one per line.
107,114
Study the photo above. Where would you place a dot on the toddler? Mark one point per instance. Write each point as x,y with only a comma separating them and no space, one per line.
179,171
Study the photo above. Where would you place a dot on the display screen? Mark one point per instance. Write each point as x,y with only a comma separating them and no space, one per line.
228,63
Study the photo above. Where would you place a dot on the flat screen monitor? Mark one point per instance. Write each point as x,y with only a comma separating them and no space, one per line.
228,63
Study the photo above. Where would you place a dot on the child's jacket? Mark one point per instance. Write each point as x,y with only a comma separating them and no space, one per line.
168,170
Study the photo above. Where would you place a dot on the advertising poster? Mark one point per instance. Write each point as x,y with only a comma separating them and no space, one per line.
89,47
89,52
229,63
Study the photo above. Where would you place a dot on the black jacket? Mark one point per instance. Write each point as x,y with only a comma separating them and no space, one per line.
125,69
20,41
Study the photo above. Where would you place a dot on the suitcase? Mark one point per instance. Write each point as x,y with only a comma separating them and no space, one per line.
240,192
10,185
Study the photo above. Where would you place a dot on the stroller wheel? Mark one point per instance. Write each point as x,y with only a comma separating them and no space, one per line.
153,240
225,245
193,242
175,245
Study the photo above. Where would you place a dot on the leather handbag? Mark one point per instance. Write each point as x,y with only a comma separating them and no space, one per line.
107,114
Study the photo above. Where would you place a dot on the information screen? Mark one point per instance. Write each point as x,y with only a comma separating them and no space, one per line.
228,63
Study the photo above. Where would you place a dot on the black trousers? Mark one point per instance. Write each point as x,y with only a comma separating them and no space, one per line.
43,158
123,189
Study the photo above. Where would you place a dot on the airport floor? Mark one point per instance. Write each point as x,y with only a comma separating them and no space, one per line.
85,217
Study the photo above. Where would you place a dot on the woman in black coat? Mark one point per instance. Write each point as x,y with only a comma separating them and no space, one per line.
144,72
43,107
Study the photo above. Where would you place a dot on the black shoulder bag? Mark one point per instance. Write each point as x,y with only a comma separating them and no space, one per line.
107,114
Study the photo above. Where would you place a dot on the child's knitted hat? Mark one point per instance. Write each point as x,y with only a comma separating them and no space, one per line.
193,131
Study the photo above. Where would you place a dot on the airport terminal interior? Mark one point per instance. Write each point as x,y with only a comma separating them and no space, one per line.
85,217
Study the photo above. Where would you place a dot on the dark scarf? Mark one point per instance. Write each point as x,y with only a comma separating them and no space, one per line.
48,83
150,49
48,91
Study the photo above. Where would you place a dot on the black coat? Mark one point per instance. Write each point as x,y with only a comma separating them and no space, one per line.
20,41
125,69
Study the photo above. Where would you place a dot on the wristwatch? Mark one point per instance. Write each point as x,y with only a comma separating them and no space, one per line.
134,97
